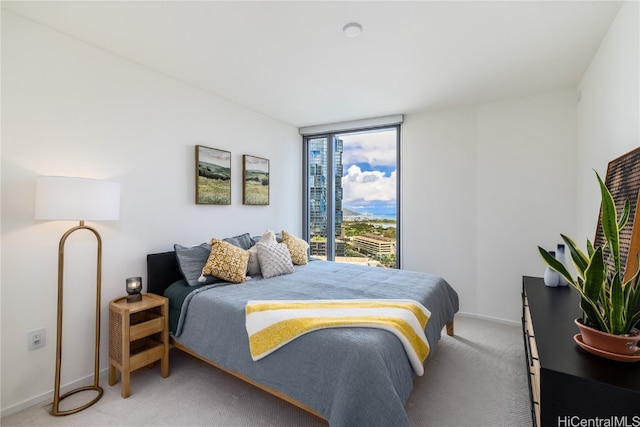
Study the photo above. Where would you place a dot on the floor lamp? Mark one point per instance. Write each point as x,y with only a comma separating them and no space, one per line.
80,199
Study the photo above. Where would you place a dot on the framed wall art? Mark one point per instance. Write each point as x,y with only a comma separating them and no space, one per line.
255,180
213,176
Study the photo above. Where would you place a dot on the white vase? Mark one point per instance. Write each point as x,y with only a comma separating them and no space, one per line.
560,256
551,277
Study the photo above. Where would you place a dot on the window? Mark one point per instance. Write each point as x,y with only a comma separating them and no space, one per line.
351,204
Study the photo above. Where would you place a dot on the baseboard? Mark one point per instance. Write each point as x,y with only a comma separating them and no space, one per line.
489,318
48,396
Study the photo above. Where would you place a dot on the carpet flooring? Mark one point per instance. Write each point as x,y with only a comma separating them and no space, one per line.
476,378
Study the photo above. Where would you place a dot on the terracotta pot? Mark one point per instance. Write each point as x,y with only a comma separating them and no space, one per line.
617,344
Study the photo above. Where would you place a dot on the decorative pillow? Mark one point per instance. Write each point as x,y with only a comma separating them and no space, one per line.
191,260
242,241
254,264
274,259
298,248
256,239
226,261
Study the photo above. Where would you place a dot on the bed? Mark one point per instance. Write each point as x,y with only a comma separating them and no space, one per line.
347,376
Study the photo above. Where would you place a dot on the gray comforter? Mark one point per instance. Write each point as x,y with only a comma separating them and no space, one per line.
353,377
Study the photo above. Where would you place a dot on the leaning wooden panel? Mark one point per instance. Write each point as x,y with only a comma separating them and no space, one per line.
634,247
623,181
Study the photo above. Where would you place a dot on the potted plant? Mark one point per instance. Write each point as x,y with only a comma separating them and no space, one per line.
609,305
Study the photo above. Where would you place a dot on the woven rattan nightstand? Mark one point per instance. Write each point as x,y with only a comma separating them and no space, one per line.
138,336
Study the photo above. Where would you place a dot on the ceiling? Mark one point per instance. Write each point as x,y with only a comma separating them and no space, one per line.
291,61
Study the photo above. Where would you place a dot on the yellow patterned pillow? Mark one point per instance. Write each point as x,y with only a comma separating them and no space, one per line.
226,261
297,248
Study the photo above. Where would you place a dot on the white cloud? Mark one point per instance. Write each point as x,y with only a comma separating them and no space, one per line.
368,186
377,149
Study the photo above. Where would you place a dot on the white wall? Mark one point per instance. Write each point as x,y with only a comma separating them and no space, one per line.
526,193
438,195
481,188
71,109
609,110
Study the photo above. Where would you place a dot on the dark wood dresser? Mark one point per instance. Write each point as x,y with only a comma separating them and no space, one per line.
569,386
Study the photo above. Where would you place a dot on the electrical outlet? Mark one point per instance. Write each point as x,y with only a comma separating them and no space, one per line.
36,338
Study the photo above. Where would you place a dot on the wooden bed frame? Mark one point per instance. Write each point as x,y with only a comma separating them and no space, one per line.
162,271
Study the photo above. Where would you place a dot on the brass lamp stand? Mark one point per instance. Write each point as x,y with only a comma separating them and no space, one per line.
55,410
61,198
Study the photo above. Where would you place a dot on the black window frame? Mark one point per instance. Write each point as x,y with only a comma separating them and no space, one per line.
330,136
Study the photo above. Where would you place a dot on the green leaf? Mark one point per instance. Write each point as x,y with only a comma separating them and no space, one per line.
595,276
580,260
609,222
624,216
615,316
592,314
590,249
634,321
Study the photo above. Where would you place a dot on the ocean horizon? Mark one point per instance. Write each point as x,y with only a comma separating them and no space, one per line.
370,215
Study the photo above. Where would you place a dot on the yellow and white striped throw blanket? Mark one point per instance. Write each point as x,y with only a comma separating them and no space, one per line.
272,324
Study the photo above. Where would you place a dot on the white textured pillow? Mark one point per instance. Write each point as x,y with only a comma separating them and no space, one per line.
275,260
254,265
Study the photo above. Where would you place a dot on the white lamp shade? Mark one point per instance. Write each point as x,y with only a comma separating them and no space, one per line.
78,199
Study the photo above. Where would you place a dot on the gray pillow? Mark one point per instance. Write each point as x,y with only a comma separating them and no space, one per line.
243,241
191,260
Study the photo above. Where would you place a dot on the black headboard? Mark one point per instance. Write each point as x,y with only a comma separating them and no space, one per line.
162,271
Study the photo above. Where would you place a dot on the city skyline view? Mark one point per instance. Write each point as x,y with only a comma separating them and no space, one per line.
369,180
362,227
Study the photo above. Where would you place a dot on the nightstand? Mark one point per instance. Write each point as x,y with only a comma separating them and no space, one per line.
138,336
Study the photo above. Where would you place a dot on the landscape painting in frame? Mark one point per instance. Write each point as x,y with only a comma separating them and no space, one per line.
255,180
213,178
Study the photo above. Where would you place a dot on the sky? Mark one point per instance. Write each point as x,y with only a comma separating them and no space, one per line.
214,156
369,179
256,163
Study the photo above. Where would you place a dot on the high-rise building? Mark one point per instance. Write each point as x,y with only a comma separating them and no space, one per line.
318,247
318,168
